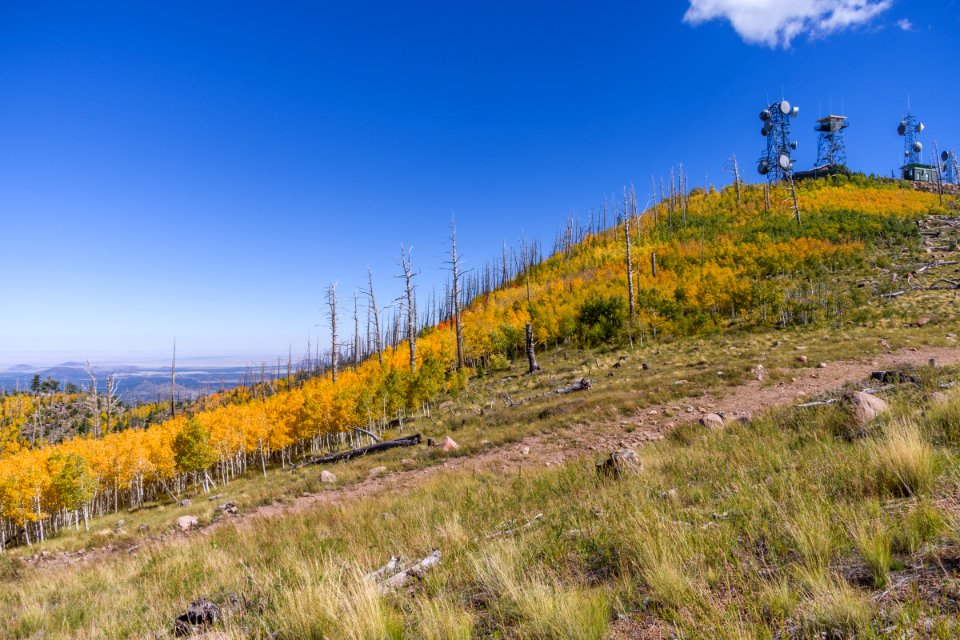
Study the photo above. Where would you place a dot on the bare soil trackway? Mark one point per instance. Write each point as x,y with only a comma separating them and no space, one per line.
575,441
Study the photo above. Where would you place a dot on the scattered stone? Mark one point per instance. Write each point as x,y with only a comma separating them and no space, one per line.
712,421
922,321
620,462
822,365
884,344
408,462
802,359
743,419
617,365
185,502
865,407
645,366
689,409
187,522
448,444
120,526
679,382
759,372
228,507
377,471
485,443
328,477
524,450
933,363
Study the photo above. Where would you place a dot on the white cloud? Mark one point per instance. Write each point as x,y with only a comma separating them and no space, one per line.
777,22
905,24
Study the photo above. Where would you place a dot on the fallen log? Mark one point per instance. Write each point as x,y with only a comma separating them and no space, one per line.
400,580
392,565
580,385
343,456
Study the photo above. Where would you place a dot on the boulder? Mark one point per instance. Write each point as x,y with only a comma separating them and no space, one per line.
448,444
200,614
712,421
185,502
620,462
328,477
377,471
187,522
922,321
865,407
802,359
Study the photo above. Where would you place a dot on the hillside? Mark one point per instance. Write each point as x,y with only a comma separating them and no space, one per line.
723,532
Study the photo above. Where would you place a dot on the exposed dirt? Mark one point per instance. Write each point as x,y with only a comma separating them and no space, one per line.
576,441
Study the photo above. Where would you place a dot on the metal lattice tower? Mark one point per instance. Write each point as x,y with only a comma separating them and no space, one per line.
910,128
949,170
831,147
776,162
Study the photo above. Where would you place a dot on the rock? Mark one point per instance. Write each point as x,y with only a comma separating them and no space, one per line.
939,397
227,507
922,321
865,407
185,502
822,365
328,477
933,363
120,526
187,522
524,450
620,462
448,444
645,366
759,372
377,471
446,404
743,419
802,359
485,443
408,462
884,344
201,613
712,421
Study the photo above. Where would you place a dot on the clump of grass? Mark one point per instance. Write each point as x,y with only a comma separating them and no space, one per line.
918,526
943,417
327,602
809,529
902,461
540,606
440,619
835,607
874,543
778,601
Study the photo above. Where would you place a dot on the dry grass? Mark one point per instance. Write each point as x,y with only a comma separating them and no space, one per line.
903,462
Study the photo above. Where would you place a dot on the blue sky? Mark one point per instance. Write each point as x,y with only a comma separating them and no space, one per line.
203,170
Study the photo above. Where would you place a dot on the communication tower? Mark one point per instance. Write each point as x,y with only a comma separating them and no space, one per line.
913,168
777,163
949,170
831,147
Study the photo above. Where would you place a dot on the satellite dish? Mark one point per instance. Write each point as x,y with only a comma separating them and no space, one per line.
902,128
767,128
765,115
906,154
921,127
784,161
918,146
793,145
784,107
945,156
763,168
795,111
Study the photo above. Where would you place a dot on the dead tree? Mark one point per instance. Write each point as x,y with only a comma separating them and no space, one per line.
111,399
173,381
456,274
356,331
406,263
92,402
626,232
372,302
653,196
793,192
653,263
734,167
332,314
531,352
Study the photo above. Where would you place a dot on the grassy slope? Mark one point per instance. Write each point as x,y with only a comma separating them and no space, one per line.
780,526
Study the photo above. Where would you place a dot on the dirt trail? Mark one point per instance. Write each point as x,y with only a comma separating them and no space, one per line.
576,441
